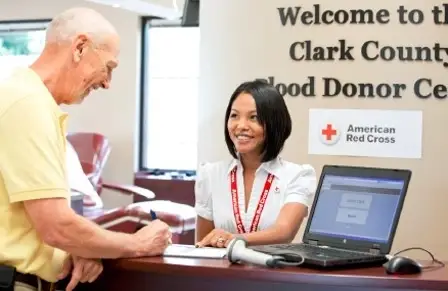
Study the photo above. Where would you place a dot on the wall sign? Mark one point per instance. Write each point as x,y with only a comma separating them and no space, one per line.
348,50
368,133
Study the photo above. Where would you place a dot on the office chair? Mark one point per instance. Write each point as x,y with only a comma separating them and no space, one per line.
93,150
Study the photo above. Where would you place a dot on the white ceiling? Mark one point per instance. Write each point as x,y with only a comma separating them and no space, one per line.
168,9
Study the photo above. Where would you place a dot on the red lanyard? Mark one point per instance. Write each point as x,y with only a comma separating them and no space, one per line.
260,207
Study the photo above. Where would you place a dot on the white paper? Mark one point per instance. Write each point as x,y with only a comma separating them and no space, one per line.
190,251
366,133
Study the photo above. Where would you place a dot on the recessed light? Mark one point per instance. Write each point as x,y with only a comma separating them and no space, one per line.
116,5
175,5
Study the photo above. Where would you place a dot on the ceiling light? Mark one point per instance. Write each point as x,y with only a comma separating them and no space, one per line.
175,5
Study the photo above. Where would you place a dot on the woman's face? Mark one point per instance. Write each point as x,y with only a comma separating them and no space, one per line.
245,131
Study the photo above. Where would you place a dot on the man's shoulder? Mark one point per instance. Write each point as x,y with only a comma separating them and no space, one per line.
12,86
19,95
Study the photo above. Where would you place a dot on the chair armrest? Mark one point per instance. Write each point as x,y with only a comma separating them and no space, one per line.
129,219
176,215
131,190
119,213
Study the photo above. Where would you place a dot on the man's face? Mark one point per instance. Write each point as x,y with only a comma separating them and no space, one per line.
92,67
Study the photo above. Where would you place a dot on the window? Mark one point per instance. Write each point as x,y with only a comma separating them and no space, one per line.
169,98
20,43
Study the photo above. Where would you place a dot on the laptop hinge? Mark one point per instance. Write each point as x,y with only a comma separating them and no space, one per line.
312,242
374,251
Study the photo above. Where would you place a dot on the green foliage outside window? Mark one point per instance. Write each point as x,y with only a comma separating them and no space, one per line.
21,43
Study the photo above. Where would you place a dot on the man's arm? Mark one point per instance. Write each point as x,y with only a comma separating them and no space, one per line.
59,226
32,164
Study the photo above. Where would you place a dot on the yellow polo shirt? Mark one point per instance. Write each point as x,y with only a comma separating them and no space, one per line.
32,166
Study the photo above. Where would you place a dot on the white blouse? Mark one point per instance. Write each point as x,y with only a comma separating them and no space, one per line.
292,183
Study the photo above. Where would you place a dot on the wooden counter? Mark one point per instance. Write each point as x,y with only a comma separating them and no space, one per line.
171,274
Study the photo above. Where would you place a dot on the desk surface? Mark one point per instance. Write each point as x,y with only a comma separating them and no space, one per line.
221,270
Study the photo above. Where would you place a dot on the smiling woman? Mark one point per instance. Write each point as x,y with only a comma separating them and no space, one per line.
256,195
243,128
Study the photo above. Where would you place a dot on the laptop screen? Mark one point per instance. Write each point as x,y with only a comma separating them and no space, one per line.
356,208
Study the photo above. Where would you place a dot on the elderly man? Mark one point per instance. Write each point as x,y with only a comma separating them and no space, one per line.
40,236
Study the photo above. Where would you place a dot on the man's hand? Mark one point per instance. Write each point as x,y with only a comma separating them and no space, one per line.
217,238
154,238
83,270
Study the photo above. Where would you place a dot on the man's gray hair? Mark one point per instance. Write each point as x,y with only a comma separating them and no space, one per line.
76,21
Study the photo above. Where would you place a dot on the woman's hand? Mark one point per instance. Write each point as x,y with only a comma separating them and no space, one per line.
217,238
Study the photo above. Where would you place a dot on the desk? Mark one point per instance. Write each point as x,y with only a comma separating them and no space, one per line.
171,274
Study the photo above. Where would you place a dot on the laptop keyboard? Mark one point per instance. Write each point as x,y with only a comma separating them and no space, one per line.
315,251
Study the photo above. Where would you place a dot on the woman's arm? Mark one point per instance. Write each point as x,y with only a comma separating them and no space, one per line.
283,231
203,227
285,228
298,198
203,203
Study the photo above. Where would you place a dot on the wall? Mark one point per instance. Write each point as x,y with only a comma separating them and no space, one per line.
242,40
112,112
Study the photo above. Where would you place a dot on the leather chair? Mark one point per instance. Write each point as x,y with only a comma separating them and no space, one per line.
93,150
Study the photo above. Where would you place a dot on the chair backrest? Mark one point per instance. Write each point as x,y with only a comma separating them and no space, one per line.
93,150
93,176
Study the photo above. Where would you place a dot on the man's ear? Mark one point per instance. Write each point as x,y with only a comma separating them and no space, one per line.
79,47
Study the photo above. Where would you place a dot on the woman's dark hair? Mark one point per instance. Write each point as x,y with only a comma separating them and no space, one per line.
272,113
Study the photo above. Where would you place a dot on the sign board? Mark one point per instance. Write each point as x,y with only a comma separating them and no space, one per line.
367,133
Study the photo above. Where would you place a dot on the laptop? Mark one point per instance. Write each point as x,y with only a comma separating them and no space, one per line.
353,218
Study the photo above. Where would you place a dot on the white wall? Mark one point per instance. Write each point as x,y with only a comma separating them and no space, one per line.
244,40
112,112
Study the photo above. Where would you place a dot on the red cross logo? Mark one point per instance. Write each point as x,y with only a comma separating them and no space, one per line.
328,132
